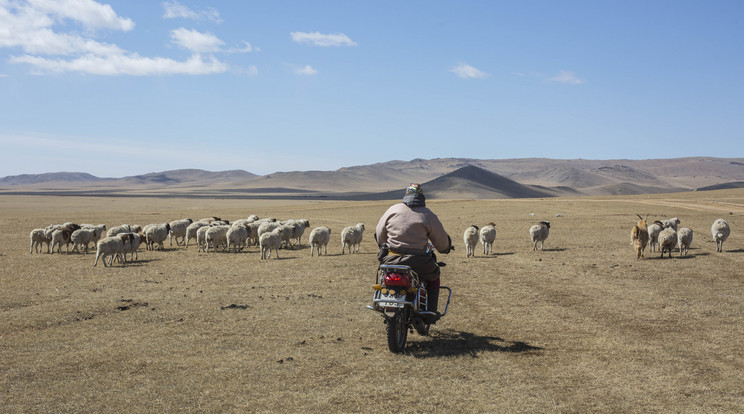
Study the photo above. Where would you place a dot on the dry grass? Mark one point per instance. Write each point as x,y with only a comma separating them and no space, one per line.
580,327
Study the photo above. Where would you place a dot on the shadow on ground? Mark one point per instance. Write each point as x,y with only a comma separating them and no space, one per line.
459,343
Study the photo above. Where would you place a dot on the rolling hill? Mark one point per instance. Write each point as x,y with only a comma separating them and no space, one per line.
442,177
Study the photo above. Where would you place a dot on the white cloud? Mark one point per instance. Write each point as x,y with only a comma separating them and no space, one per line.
175,10
306,70
125,65
42,28
466,71
88,12
565,76
323,40
196,41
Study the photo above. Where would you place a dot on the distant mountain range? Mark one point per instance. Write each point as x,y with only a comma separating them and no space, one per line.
443,178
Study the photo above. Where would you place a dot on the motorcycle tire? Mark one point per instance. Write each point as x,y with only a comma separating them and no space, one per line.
397,332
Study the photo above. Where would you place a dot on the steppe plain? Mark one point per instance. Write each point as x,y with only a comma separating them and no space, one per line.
579,327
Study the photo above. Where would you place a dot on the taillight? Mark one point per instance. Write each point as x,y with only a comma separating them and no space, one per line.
396,279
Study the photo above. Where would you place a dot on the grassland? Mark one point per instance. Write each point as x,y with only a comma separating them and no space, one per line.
580,327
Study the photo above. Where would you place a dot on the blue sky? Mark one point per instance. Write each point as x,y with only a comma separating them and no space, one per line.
119,88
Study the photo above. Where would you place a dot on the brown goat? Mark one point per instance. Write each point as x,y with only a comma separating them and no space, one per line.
639,236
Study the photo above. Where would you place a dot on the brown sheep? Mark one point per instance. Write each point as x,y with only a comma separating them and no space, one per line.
639,236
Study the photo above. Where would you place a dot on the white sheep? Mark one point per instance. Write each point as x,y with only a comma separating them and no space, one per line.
178,229
487,237
721,231
319,237
352,236
62,235
653,235
156,234
298,229
672,222
684,239
100,233
237,236
538,233
271,241
109,246
124,228
132,242
253,232
667,240
267,227
470,237
216,236
84,236
201,238
39,236
191,230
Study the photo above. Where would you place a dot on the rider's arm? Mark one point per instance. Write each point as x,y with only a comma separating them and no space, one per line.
381,230
438,236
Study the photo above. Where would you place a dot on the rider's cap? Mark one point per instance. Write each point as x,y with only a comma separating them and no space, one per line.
414,188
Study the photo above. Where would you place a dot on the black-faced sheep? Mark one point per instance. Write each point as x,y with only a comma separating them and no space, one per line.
538,233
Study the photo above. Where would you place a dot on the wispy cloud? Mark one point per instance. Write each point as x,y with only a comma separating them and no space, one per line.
124,65
323,40
176,10
196,41
466,71
566,76
306,70
60,36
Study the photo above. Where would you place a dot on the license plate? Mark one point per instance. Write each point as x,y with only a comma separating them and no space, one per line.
384,296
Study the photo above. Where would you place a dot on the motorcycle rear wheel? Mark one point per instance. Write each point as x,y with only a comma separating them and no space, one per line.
397,332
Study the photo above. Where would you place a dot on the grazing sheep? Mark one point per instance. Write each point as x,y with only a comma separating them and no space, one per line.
83,237
271,241
319,237
639,236
538,233
178,229
109,246
667,240
253,233
470,237
156,234
237,236
209,220
39,236
191,230
672,222
100,233
720,230
684,239
124,228
352,236
487,237
216,236
653,235
287,235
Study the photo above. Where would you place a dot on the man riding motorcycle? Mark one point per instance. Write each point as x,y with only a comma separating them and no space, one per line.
404,232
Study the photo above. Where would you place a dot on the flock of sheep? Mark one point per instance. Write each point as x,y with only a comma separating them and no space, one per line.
663,235
486,235
208,233
270,235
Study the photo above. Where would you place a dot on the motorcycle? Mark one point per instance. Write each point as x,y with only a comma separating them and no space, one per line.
401,298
